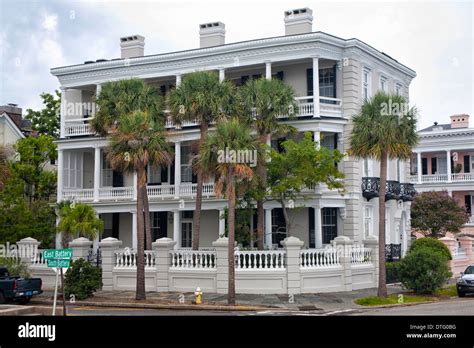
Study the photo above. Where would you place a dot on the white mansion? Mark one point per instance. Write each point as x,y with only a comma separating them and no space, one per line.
331,77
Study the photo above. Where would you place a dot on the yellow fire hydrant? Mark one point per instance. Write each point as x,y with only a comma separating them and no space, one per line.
198,296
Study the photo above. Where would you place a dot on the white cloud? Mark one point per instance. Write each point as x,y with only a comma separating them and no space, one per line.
50,22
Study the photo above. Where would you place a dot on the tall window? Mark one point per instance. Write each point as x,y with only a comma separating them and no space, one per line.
398,89
107,172
368,211
327,83
154,174
329,224
383,83
186,167
72,169
366,83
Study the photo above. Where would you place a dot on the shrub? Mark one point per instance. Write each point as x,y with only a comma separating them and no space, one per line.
431,244
393,272
16,267
82,279
424,271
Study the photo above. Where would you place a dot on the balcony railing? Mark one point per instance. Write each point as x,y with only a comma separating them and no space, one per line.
442,178
331,107
393,252
393,189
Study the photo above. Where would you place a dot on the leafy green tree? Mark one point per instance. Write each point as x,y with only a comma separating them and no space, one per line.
301,165
137,142
383,129
203,98
47,120
79,220
234,135
266,100
436,213
4,166
432,244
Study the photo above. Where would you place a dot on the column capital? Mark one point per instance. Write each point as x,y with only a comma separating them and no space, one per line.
315,56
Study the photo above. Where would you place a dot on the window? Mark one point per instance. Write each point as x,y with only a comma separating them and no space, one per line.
278,226
383,83
159,224
154,175
72,169
107,172
186,234
366,84
327,84
368,211
367,170
413,165
186,158
398,89
329,224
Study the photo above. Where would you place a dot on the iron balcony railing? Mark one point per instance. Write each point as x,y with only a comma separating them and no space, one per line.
393,189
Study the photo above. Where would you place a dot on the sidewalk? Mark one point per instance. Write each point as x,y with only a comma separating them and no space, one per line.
323,302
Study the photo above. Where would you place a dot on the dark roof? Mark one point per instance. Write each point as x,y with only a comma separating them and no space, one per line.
430,128
25,124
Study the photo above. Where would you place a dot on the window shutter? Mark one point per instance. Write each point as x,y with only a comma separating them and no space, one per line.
309,81
434,168
467,168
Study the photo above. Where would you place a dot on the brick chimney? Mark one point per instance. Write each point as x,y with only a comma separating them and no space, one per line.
132,46
211,34
298,21
13,111
460,121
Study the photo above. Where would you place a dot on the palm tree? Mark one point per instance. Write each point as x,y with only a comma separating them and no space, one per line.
266,100
234,135
121,98
137,142
202,98
78,220
383,129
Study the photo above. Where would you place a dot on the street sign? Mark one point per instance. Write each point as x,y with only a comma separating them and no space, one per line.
57,254
59,263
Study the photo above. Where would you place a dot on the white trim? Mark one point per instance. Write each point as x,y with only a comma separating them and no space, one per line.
12,125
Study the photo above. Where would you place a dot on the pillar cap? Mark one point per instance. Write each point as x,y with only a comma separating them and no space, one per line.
371,240
447,239
80,242
292,242
110,242
163,242
221,242
28,240
343,240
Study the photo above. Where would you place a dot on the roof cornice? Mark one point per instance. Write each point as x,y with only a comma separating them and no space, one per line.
234,48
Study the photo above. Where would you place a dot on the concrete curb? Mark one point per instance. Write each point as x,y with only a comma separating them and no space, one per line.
162,306
396,305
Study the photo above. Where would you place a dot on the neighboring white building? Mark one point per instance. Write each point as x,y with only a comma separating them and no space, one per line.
335,72
12,126
444,160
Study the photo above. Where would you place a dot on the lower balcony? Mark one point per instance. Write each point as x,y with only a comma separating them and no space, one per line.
393,189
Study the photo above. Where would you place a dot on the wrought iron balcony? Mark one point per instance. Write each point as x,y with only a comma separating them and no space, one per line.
393,252
407,191
371,188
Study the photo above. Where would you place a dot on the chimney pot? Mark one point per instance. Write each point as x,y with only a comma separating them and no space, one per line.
132,46
211,34
298,21
460,121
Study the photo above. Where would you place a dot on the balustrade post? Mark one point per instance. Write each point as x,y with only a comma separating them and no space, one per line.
80,248
108,247
222,264
293,247
372,243
344,248
162,248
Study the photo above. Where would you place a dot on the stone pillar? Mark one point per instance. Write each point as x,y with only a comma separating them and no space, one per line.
98,89
177,228
450,243
268,70
97,168
108,247
466,245
162,248
268,228
27,249
177,168
134,230
221,223
80,248
448,164
316,107
60,174
344,246
372,242
222,264
221,74
178,80
63,112
419,167
317,138
318,230
293,246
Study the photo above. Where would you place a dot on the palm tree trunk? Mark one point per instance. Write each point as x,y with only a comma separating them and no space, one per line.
262,177
197,211
382,289
146,213
231,221
140,293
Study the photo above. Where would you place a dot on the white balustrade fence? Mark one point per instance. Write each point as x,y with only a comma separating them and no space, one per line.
260,260
361,255
193,259
128,258
81,195
319,258
116,192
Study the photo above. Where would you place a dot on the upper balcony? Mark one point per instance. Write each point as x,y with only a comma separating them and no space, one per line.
393,189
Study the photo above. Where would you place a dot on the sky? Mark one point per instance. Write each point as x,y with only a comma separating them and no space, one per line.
434,38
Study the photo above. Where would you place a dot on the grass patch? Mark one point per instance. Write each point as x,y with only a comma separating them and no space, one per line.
391,300
448,291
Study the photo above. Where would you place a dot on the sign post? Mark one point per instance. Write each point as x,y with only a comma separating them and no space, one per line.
58,259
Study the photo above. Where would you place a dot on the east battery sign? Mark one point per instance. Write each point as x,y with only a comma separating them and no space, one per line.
57,254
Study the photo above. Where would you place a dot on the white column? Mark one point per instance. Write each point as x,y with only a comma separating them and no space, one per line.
318,231
221,74
448,164
178,80
317,138
98,89
96,243
268,70
177,168
268,228
316,86
134,230
135,185
60,174
97,167
221,223
419,169
63,112
176,228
